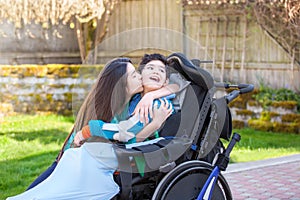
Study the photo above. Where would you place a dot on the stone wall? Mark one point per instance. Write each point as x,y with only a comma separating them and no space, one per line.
44,88
280,116
62,88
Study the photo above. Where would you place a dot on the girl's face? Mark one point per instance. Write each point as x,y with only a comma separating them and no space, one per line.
154,75
134,81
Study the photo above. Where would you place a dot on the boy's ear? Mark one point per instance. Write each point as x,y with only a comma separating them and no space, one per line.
166,82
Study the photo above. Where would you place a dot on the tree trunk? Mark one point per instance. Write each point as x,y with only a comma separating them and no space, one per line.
82,40
89,37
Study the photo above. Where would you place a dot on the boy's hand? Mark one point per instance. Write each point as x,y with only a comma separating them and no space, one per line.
162,112
78,138
123,136
144,108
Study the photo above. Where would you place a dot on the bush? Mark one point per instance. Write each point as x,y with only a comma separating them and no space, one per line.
286,128
238,124
291,118
284,104
260,125
266,96
244,112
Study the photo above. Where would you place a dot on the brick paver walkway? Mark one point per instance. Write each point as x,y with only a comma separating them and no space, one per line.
273,182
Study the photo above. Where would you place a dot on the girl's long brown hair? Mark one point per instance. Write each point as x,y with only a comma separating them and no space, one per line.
107,97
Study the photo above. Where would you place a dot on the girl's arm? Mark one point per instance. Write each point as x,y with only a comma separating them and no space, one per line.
109,130
94,128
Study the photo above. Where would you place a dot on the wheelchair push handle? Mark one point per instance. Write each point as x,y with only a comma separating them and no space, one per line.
245,88
240,89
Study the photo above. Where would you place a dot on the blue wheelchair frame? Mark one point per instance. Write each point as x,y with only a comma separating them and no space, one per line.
221,164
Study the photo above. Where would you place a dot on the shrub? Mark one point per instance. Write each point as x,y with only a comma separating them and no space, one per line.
291,118
253,103
244,112
286,128
241,101
273,114
284,104
266,96
238,124
260,125
265,116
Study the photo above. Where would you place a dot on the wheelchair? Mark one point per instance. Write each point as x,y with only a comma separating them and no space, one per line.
186,162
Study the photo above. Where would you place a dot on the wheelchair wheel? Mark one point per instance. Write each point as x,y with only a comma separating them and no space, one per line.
186,181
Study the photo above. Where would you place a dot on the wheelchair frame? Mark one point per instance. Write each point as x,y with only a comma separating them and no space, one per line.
206,179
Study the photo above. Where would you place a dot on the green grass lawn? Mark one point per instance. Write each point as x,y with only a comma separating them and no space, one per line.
30,143
259,145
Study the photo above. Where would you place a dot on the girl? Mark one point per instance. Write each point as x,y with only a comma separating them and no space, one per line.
97,104
87,172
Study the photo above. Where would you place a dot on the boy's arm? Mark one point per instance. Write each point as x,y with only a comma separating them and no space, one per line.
106,130
144,107
160,114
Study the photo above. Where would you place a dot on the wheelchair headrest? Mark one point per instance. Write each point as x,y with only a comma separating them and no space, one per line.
197,75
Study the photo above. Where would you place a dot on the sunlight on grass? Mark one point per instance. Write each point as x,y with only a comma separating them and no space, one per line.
14,149
246,155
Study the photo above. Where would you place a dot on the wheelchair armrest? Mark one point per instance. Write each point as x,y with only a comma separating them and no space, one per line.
120,150
155,155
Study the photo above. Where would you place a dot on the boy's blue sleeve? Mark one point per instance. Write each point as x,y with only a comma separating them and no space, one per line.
139,126
96,129
135,129
170,102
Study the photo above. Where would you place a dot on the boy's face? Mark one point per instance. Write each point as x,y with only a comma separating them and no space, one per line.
154,75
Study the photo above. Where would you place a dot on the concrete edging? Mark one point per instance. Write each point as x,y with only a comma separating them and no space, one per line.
237,167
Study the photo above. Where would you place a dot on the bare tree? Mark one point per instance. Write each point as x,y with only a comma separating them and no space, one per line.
89,16
279,18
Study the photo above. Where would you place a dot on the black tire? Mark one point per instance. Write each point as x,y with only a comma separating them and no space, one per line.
186,180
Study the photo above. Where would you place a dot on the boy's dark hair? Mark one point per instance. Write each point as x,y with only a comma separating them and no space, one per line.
155,56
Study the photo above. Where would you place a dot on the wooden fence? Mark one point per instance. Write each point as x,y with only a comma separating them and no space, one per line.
240,50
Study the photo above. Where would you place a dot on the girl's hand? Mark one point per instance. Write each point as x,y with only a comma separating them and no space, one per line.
144,108
78,139
162,112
